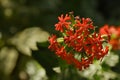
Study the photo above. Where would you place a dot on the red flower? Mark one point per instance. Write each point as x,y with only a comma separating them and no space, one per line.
118,29
77,64
115,43
114,34
85,63
84,26
104,30
77,39
53,43
62,23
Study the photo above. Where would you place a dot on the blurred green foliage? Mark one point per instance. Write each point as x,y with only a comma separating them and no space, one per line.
24,29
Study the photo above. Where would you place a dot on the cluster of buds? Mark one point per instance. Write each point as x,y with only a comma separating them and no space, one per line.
78,44
114,33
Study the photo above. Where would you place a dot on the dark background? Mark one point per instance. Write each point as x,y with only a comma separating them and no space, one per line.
16,15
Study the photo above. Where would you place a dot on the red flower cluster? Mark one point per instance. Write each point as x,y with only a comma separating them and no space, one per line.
114,33
79,44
